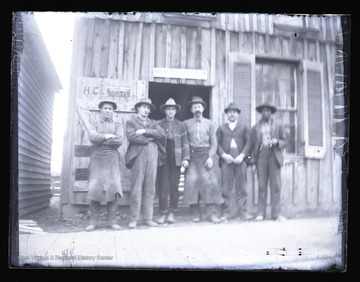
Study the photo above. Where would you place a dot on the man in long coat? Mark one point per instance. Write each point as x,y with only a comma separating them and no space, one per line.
233,147
104,171
176,145
142,158
201,182
268,141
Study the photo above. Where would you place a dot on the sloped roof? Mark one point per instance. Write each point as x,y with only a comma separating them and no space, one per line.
36,48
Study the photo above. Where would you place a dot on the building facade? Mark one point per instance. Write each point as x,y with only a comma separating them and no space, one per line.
35,82
222,57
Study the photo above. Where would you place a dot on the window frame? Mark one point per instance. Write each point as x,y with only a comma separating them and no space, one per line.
302,149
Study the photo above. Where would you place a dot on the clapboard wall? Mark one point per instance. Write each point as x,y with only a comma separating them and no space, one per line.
127,47
37,83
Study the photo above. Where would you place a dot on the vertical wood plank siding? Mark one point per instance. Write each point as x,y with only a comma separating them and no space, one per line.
128,47
37,84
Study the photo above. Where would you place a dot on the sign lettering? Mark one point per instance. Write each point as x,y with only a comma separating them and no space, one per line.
118,91
180,73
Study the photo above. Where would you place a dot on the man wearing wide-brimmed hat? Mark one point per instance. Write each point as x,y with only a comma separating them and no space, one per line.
104,170
268,139
142,158
233,147
176,145
201,182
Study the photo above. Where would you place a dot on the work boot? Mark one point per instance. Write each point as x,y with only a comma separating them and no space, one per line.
171,218
224,218
91,227
280,218
150,223
246,216
196,218
161,219
133,224
214,219
115,226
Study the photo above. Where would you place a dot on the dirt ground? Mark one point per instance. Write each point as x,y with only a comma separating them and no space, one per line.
48,219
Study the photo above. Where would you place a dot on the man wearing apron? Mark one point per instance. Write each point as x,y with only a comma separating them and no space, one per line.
201,182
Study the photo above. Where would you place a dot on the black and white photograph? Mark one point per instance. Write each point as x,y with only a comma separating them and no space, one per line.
180,141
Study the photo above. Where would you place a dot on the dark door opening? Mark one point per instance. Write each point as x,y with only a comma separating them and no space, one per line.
159,93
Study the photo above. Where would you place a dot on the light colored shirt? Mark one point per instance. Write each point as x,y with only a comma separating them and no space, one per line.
266,133
169,129
232,127
202,133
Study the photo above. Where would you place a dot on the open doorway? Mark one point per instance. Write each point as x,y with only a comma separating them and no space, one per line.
182,94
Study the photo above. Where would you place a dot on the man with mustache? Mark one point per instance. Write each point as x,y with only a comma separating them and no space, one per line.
201,183
233,147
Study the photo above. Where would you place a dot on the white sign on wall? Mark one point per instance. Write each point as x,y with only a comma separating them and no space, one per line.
180,73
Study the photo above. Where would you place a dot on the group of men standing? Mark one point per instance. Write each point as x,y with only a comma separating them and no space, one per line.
157,151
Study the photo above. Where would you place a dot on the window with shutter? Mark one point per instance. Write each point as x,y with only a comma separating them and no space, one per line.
314,126
242,85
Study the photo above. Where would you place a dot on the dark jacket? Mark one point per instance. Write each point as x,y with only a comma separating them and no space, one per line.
182,149
138,142
241,135
277,131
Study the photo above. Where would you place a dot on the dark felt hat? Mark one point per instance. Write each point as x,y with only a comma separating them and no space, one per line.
107,102
170,103
232,106
195,100
266,105
145,101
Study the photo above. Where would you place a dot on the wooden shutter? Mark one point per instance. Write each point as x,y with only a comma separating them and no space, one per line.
242,85
314,123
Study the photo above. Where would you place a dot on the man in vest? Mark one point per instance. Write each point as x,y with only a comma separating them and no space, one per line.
233,148
268,139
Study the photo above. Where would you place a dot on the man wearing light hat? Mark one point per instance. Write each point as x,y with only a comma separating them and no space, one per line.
233,147
104,170
176,144
201,182
142,158
268,139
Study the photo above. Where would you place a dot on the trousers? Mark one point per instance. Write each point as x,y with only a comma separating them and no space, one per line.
95,207
268,172
195,210
168,181
234,180
143,179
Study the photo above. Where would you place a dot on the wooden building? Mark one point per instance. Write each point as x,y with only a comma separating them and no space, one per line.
37,83
222,57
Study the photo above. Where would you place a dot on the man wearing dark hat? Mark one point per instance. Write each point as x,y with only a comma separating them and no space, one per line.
268,140
104,170
176,144
233,146
201,183
142,157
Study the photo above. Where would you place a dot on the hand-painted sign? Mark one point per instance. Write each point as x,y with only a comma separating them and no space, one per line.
180,73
